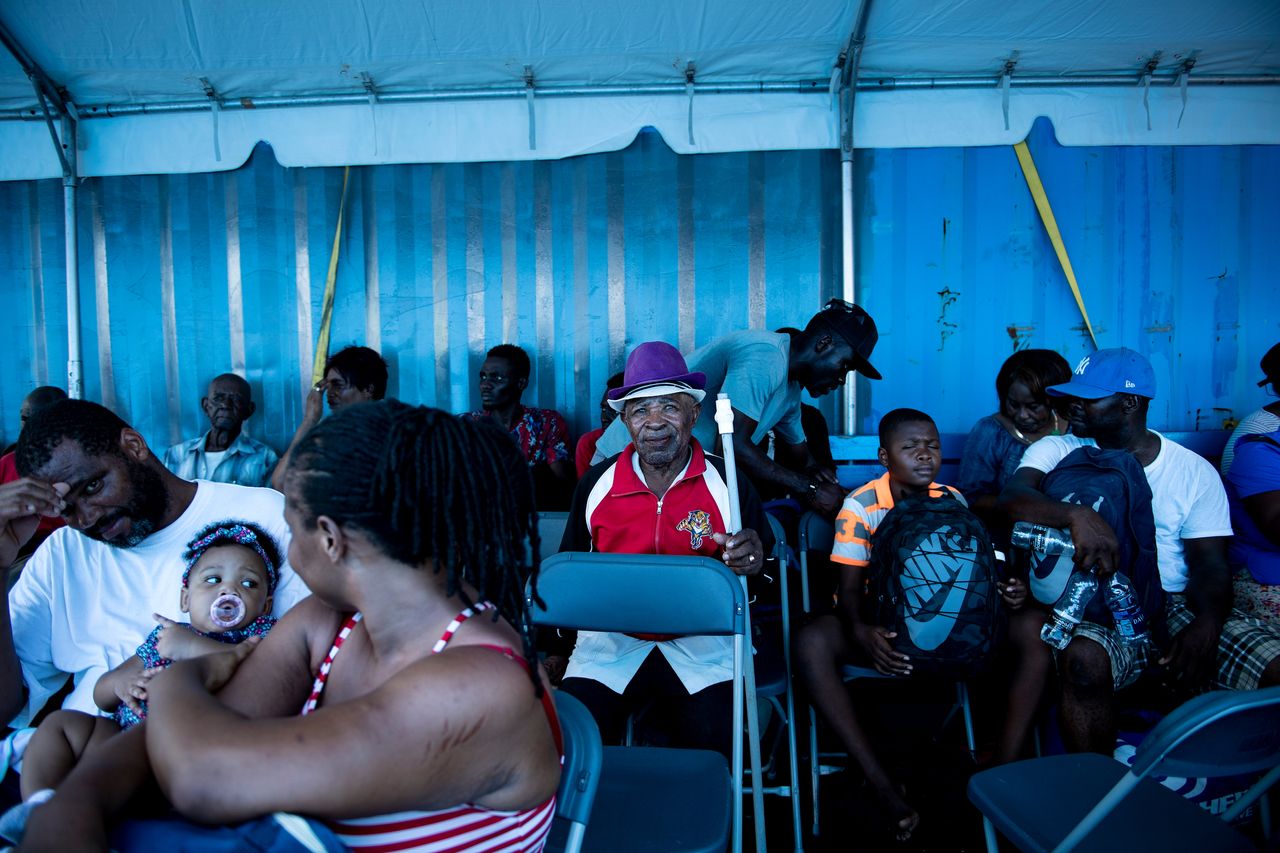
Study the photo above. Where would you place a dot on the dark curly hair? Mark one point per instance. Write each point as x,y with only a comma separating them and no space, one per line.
361,367
423,485
520,365
95,428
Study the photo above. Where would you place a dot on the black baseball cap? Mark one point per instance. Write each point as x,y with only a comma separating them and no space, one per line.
858,330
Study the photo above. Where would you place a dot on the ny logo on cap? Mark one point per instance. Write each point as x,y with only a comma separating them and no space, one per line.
1080,368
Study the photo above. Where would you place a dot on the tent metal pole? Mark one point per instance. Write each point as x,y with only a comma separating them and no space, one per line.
230,103
850,292
70,191
67,149
848,226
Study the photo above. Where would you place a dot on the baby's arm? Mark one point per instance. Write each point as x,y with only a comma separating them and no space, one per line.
178,642
126,683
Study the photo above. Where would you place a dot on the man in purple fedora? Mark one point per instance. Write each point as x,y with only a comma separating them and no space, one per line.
763,373
662,494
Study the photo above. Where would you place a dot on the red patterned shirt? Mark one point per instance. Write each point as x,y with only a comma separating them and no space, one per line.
541,434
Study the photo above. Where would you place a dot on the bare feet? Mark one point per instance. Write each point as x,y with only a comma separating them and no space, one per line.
901,817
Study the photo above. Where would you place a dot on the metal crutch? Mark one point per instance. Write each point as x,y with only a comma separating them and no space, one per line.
724,423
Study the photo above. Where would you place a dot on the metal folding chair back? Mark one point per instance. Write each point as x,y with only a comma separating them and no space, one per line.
689,797
1065,802
1215,734
816,534
777,688
580,774
551,527
639,593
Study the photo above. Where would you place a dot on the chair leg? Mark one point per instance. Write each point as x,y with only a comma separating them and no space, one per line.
757,783
815,765
753,739
989,833
790,715
1264,815
1256,790
962,696
794,766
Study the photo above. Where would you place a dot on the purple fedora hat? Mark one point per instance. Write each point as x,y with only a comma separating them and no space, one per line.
655,368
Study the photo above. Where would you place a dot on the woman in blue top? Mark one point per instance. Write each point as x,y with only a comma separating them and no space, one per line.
996,443
1253,487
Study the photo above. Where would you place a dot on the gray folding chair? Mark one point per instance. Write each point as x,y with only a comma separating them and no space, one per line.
551,527
656,798
774,685
817,534
579,776
1094,802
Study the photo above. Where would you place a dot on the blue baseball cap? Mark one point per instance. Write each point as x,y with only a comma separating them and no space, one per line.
1119,370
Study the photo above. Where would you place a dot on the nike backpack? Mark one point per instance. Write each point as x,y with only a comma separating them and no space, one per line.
932,581
1113,484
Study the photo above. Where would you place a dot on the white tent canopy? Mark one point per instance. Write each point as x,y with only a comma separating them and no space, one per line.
363,82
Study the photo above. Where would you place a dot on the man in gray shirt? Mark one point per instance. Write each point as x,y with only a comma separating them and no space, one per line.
763,373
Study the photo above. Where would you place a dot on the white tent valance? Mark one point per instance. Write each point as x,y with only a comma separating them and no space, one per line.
329,83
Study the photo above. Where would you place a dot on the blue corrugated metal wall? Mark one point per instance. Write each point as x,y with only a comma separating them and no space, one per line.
578,260
1175,250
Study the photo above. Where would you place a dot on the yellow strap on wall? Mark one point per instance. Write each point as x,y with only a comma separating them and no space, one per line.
1051,225
326,312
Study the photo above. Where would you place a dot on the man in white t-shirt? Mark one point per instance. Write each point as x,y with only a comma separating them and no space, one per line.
85,599
1210,643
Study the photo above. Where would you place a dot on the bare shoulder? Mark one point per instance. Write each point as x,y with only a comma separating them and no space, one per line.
476,711
469,678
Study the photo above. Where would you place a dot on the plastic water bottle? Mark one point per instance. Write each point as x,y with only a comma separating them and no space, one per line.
1042,538
1069,611
1131,623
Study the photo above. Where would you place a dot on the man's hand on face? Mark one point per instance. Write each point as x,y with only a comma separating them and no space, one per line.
742,552
22,502
1094,540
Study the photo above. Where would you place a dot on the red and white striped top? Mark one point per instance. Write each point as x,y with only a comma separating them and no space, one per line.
462,829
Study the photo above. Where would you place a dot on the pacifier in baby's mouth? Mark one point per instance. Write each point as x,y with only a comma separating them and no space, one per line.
226,611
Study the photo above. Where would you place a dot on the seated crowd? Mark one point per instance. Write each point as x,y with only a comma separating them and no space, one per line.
351,641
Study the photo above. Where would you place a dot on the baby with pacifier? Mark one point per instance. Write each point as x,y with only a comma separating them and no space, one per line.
230,576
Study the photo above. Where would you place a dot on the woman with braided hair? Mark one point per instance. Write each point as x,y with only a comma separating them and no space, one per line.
425,721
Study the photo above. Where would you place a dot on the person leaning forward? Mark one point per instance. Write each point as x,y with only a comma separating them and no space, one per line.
1211,644
87,595
763,373
661,495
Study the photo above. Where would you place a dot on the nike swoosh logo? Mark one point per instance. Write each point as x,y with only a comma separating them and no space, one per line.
920,574
1049,576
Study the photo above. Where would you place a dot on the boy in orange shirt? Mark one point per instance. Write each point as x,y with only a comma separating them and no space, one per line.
911,451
